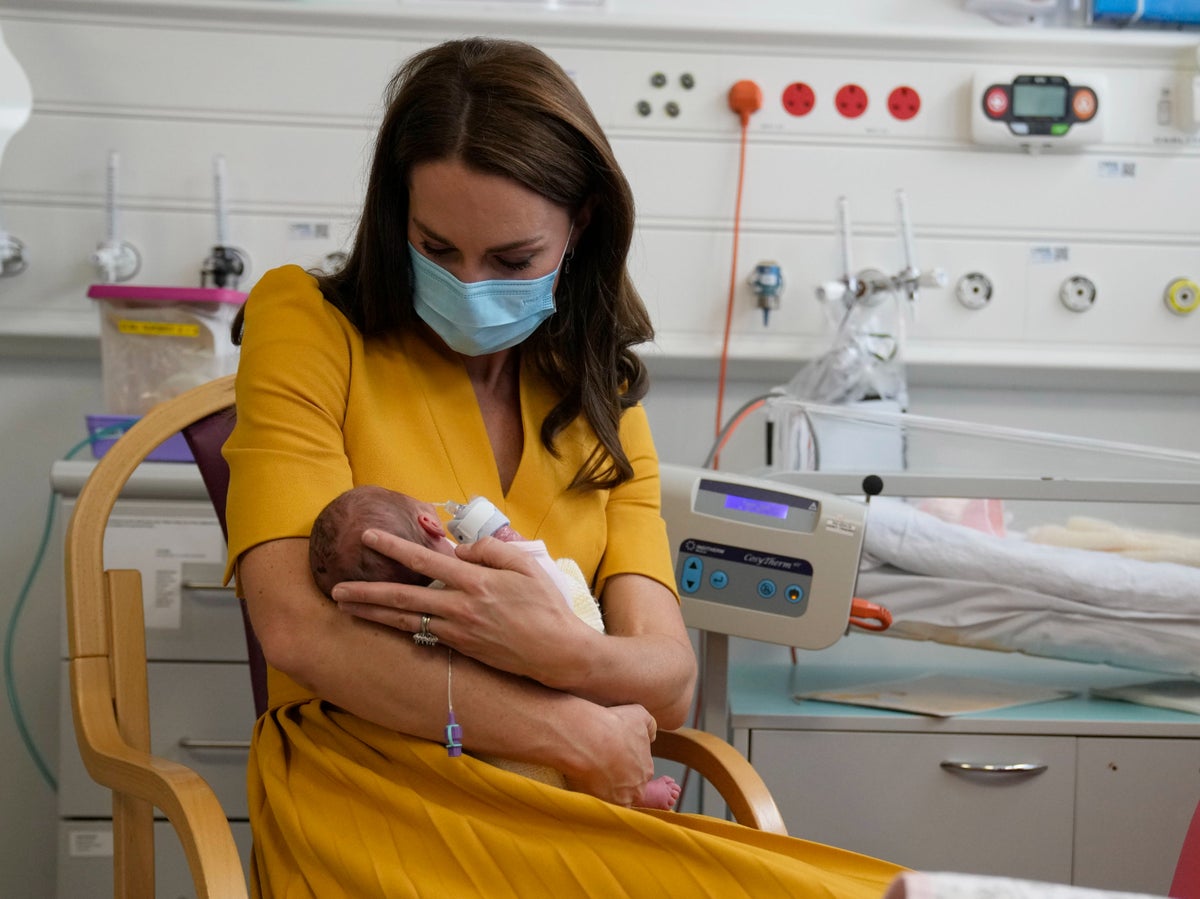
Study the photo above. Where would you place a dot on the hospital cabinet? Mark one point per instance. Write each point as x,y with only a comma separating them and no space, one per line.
1079,790
200,698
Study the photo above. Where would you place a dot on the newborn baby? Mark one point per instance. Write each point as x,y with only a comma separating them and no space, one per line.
336,553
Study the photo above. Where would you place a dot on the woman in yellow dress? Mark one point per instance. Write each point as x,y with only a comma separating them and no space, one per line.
477,341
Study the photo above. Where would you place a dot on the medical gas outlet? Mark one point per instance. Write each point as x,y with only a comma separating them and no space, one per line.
767,283
1078,293
1038,110
1182,296
974,290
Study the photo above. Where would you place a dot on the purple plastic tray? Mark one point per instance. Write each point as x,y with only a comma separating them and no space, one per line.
173,449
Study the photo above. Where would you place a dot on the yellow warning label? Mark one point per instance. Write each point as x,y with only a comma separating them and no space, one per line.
158,329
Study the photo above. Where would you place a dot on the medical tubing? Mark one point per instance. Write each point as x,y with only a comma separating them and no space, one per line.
711,460
14,702
733,273
219,199
843,217
110,196
906,231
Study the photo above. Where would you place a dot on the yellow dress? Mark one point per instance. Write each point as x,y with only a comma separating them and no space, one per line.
342,807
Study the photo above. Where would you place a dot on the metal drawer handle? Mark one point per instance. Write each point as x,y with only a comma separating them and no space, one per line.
189,743
1027,768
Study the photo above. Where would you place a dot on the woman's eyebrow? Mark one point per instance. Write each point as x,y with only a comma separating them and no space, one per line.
523,243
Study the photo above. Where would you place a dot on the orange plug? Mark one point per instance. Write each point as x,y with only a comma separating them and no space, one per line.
745,98
870,616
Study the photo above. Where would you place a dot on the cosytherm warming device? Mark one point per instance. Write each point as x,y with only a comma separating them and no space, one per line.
761,559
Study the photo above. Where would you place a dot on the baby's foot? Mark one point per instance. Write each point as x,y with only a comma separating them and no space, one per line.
662,793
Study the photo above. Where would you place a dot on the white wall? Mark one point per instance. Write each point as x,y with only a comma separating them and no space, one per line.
289,94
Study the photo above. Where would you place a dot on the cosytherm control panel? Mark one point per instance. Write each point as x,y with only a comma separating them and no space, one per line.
762,559
1038,109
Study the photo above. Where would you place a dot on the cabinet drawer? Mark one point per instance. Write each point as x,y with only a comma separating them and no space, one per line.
191,704
85,862
1135,801
180,551
888,795
210,625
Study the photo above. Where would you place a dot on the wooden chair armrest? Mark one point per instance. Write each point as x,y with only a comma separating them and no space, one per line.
186,799
726,769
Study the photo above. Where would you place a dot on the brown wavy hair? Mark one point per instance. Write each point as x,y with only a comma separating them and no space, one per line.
505,108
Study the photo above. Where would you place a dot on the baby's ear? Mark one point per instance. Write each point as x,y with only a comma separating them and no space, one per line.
431,525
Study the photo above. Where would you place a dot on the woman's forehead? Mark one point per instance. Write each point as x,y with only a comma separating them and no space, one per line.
454,202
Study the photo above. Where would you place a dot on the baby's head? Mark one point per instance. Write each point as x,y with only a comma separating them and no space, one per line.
335,549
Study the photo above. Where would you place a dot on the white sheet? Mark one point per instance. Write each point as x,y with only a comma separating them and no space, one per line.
948,885
975,589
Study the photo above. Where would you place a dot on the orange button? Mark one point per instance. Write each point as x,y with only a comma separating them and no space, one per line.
1084,103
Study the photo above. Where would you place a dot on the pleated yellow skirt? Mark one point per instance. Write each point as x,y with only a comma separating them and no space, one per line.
340,807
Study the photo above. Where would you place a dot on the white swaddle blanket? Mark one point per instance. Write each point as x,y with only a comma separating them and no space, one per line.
1007,593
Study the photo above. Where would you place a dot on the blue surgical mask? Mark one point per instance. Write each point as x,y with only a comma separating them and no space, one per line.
484,317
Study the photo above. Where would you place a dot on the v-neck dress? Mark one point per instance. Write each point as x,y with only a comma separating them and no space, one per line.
340,806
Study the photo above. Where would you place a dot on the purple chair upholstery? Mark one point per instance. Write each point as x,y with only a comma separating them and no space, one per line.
206,437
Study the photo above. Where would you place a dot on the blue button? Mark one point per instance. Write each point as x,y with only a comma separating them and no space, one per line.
793,593
693,569
766,589
719,580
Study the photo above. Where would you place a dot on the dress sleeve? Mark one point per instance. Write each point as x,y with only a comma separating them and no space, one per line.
637,534
286,454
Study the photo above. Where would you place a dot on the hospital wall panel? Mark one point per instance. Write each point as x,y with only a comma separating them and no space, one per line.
169,164
200,67
291,103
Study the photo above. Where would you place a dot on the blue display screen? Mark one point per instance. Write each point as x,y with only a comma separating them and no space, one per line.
757,506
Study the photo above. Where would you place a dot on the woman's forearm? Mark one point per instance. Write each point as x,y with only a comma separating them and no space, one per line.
645,657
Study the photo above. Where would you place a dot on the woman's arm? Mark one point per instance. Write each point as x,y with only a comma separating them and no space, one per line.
650,659
500,608
379,674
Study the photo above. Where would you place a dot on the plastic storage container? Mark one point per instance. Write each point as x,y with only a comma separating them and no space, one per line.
105,429
157,342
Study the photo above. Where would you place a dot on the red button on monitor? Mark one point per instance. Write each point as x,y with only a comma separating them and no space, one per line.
995,101
1083,104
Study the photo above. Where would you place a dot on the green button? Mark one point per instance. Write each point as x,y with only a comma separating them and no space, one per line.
1060,129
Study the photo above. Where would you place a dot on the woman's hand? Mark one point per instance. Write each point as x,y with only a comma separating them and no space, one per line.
617,763
497,605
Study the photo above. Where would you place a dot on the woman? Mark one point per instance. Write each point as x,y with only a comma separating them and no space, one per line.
477,341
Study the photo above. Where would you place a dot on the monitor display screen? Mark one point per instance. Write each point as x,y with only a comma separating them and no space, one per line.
1040,101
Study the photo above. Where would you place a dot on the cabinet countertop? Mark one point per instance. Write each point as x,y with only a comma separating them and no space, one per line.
761,694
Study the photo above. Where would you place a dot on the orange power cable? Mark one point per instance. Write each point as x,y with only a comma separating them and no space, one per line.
745,98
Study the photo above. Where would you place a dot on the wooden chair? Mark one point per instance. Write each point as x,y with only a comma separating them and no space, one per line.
109,698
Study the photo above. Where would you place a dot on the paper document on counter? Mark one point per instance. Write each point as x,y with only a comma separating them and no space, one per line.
939,695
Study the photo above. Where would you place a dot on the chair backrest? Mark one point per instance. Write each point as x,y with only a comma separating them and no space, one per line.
107,672
205,437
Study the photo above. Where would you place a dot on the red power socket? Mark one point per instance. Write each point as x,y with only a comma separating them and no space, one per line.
798,98
851,101
904,103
